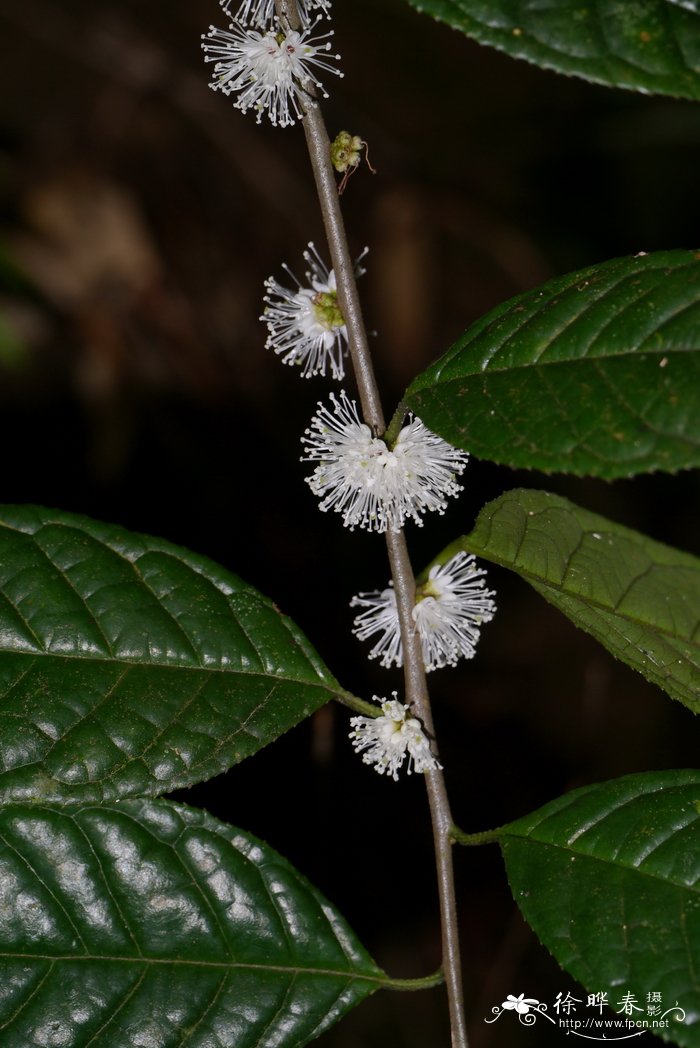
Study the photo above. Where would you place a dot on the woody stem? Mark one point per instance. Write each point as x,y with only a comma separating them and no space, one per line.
402,573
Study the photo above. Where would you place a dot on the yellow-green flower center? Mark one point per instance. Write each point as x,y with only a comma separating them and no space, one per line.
428,589
327,311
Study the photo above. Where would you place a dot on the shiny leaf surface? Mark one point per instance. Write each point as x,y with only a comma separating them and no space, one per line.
639,598
597,372
609,878
146,924
129,666
645,45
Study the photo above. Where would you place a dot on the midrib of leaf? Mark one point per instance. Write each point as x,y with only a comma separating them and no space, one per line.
227,739
312,682
83,600
192,768
460,15
587,600
638,870
566,808
225,591
605,292
491,368
594,362
212,752
292,969
536,309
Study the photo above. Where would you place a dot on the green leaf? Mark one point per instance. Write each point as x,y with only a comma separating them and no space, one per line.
639,598
609,878
645,45
132,667
146,923
597,372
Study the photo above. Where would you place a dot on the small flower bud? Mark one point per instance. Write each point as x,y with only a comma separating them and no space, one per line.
346,151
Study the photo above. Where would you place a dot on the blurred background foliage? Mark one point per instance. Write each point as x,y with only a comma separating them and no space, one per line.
139,216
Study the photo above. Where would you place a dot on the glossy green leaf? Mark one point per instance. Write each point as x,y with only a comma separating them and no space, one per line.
594,373
609,878
639,598
146,924
132,667
645,45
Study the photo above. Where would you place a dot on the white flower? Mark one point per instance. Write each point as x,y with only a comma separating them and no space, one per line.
306,325
271,71
262,12
450,607
520,1004
375,486
386,740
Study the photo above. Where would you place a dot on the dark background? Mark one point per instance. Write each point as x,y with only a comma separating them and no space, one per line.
139,216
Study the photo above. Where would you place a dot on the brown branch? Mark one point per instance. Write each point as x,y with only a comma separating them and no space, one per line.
402,572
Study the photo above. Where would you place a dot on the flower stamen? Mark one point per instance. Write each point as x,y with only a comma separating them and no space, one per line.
385,741
306,325
450,608
270,72
372,485
262,12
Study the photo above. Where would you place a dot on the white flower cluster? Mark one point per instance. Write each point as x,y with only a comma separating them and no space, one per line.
387,740
262,12
268,66
306,326
450,607
373,485
268,61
